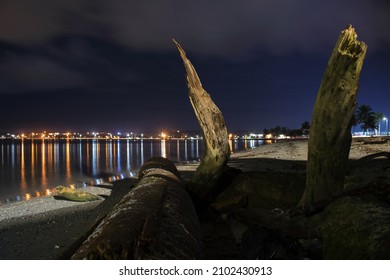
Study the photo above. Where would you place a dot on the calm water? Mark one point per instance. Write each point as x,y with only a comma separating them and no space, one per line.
34,168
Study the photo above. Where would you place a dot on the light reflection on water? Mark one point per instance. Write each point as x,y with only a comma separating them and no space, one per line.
33,168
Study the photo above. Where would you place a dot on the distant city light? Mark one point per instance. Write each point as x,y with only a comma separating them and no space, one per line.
71,135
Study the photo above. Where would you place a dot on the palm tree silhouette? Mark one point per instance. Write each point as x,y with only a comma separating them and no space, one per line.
366,117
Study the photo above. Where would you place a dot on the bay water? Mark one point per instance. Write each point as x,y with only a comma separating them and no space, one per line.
33,168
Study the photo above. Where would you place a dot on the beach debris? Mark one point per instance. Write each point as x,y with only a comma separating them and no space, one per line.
74,194
330,132
262,189
260,243
368,158
286,223
155,220
238,201
356,228
379,140
215,136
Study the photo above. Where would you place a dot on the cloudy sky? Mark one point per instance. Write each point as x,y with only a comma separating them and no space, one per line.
111,64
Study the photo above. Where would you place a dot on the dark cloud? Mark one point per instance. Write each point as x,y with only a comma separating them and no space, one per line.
65,62
33,22
216,27
237,27
37,74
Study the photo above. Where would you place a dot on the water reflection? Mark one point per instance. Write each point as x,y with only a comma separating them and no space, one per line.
178,150
23,182
43,165
197,149
95,157
33,168
32,155
185,150
142,152
163,148
128,156
118,161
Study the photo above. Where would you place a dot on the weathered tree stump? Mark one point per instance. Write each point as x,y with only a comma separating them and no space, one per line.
155,220
330,137
216,141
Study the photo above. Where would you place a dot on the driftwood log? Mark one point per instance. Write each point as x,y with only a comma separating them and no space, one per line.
74,195
155,220
215,135
330,137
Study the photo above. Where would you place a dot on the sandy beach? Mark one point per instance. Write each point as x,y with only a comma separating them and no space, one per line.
45,228
48,228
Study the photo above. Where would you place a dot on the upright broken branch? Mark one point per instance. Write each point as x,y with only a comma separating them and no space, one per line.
216,142
330,137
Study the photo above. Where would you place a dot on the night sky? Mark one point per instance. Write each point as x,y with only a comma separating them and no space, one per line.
111,65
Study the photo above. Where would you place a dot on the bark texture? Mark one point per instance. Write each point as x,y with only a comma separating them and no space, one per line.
330,137
155,220
216,141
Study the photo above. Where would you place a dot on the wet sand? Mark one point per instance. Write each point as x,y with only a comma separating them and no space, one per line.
47,228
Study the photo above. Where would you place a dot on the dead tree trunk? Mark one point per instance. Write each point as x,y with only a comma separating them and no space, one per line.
330,137
156,220
215,136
